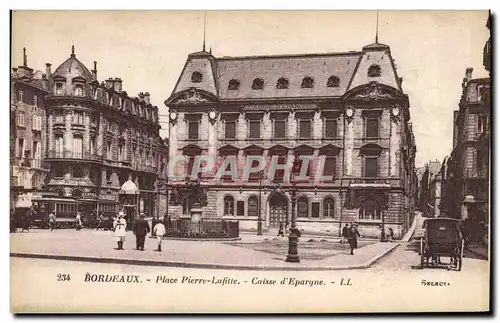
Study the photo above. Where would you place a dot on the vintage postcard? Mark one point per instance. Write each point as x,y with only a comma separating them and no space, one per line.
250,161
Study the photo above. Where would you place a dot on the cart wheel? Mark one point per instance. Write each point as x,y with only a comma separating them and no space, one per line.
422,255
460,256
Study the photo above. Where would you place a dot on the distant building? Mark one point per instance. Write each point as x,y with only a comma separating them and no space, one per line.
95,138
348,108
28,133
467,172
430,189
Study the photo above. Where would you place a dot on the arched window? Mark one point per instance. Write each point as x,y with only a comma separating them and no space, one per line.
228,205
258,84
253,206
307,82
196,77
333,81
328,208
374,70
303,207
369,210
233,85
282,83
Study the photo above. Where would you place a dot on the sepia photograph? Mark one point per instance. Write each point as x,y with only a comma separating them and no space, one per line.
212,161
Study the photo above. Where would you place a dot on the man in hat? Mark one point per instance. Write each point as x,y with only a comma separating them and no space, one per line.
120,227
141,229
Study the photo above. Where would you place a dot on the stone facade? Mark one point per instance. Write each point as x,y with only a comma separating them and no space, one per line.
347,109
28,89
98,137
467,178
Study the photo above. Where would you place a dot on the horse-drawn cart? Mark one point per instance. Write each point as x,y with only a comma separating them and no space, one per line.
442,238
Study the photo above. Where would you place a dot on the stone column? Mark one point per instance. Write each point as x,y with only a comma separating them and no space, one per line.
68,140
394,147
349,146
86,135
50,129
173,141
212,137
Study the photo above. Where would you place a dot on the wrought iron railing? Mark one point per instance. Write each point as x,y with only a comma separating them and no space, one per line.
52,154
205,228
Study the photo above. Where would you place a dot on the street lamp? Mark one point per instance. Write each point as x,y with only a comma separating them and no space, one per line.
259,220
293,253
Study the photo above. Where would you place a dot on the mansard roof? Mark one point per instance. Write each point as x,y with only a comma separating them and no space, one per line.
319,75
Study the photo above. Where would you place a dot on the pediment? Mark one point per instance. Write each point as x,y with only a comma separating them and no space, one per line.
373,92
191,96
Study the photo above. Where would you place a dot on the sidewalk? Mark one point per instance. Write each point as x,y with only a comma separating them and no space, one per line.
98,246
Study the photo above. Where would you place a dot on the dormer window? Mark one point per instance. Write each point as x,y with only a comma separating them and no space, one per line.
374,71
282,83
233,85
196,77
333,81
307,82
59,88
258,84
78,90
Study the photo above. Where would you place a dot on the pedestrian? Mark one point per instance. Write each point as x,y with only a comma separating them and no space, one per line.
159,231
52,221
345,232
391,234
100,222
78,222
352,235
120,228
280,230
356,234
141,229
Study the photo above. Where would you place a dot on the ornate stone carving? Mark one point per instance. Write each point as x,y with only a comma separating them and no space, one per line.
373,93
349,113
192,97
396,113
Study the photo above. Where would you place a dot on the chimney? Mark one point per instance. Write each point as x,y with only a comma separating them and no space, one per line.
468,73
117,85
47,69
109,83
141,97
147,98
400,81
94,71
25,58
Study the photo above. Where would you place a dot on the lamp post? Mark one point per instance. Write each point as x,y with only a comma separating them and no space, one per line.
293,253
259,220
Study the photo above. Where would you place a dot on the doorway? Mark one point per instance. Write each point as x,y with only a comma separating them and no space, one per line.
278,210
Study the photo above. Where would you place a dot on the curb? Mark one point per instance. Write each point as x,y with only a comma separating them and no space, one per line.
199,239
138,262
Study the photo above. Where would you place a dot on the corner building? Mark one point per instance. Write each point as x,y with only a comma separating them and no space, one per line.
99,138
348,108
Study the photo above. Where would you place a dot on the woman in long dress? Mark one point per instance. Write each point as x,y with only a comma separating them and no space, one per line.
120,227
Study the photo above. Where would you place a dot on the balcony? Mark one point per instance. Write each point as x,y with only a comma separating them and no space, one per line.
480,173
51,154
144,168
374,182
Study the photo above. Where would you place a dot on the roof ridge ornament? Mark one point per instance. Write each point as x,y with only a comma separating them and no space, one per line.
73,50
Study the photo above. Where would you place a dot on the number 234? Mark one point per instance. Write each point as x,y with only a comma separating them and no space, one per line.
63,277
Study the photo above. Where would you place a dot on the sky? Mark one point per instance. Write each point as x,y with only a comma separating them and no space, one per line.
148,49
